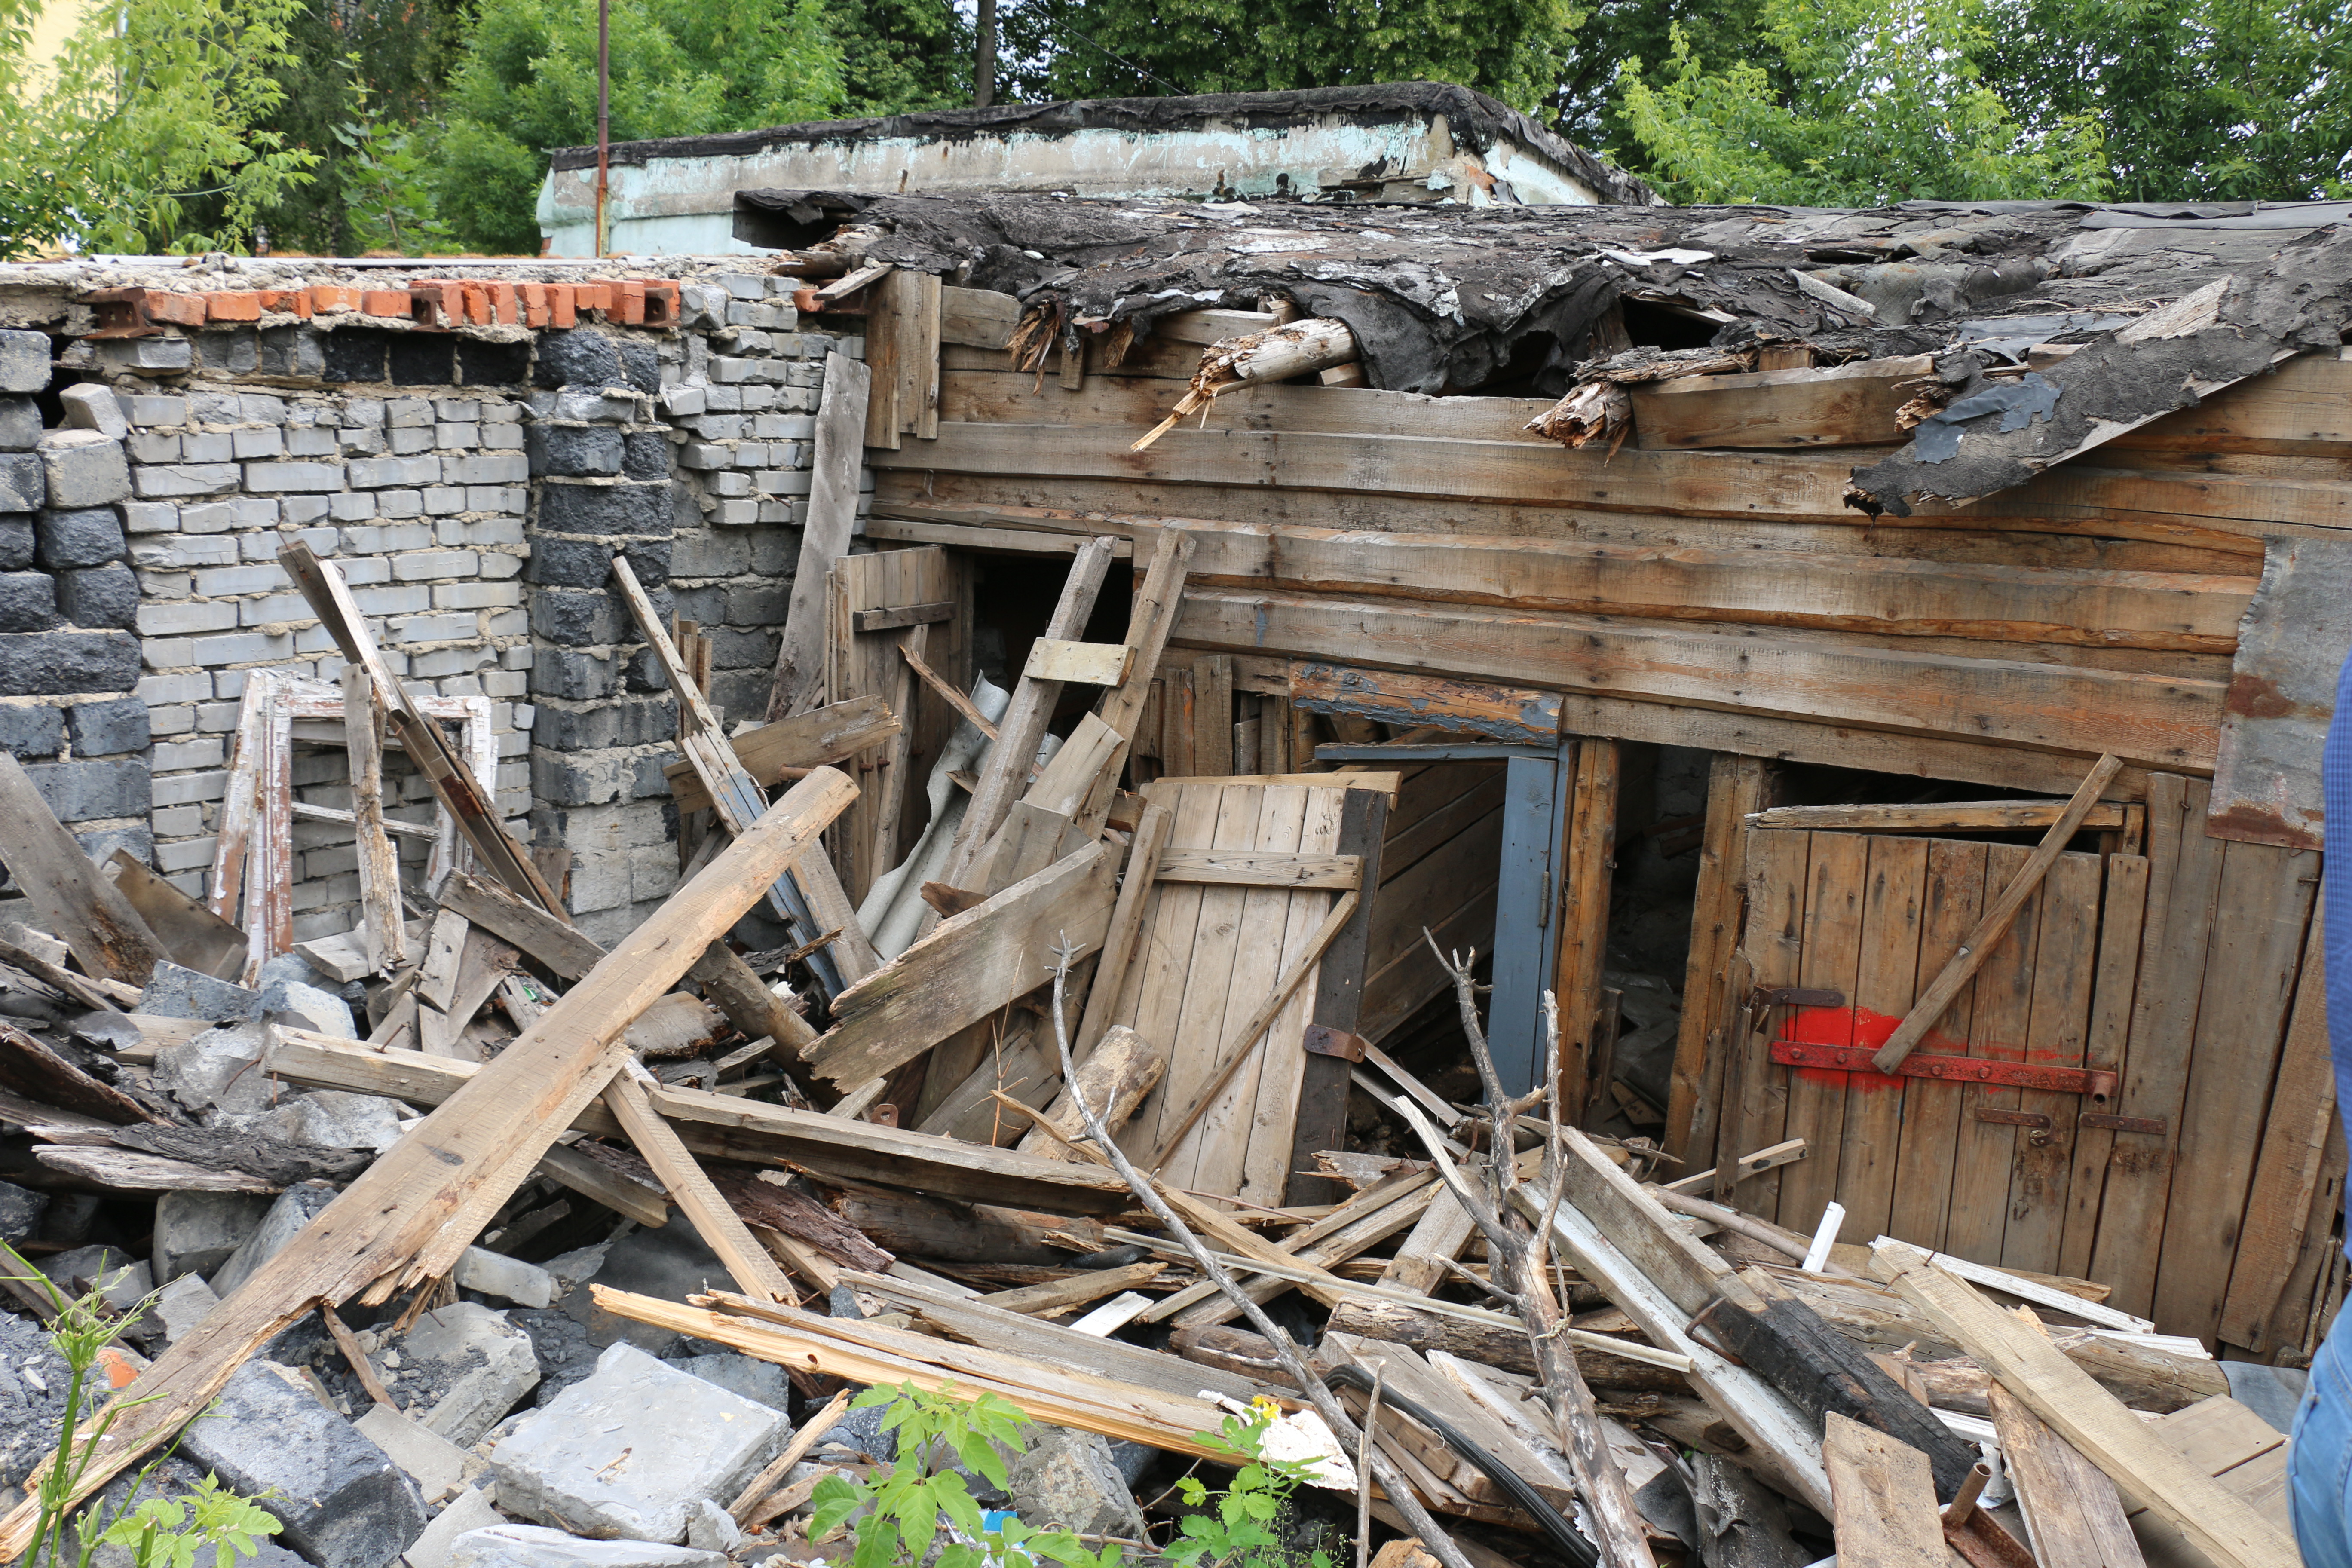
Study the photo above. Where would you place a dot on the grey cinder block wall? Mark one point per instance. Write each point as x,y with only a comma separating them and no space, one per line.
473,487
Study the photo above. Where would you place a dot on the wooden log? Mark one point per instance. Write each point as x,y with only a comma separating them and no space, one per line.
410,1214
2150,1472
1963,965
96,921
1825,1374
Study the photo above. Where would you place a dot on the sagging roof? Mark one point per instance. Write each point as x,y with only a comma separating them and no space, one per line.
2164,302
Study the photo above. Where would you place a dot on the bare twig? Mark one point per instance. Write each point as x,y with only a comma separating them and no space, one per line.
1516,1252
1398,1489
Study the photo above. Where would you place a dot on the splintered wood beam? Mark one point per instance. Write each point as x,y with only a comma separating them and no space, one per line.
714,1220
946,690
832,519
1962,966
819,738
1886,1499
408,1218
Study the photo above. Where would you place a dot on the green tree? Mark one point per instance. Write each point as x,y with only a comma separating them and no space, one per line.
2222,100
901,55
148,131
527,83
1516,50
1851,103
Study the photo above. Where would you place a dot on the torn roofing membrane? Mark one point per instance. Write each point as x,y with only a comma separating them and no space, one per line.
2164,305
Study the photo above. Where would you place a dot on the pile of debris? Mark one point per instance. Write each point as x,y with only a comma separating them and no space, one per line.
420,1290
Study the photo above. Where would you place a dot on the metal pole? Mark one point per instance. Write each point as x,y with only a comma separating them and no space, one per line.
603,114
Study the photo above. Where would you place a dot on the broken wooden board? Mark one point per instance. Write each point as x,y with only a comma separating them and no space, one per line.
96,921
410,1215
1089,663
799,679
1886,1502
2281,696
966,969
818,738
192,936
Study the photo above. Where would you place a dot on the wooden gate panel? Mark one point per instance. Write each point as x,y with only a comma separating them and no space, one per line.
1931,1123
1776,926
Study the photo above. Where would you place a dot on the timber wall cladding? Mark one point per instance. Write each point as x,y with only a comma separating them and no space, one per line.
2176,971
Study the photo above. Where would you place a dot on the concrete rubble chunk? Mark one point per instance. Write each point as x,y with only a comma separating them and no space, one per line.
320,1012
509,1278
181,1305
217,1071
195,1233
294,1207
1071,1478
90,406
342,1501
527,1546
20,1212
438,1467
628,1452
174,992
174,1478
333,1119
713,1528
475,1365
125,1278
32,1397
469,1512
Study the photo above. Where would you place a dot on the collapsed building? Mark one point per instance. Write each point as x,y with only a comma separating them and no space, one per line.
1825,705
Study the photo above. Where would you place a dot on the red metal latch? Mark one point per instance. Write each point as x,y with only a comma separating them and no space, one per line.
2096,1085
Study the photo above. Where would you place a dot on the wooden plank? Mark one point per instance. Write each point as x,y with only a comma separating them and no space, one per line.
1004,773
408,1216
1311,924
1060,1295
1955,816
191,935
2184,875
1321,1117
2261,912
1829,957
1736,787
1521,715
1213,715
1588,839
1886,976
891,618
1955,973
2065,963
966,969
1756,1112
2155,721
1157,992
2073,1515
542,937
1836,406
2121,918
2293,1147
75,901
978,318
268,915
819,738
714,1220
1885,1498
1262,868
831,518
239,817
1985,1150
2149,1471
382,926
1089,663
1120,941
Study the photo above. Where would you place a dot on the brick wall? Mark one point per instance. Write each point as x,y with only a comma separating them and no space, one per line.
472,467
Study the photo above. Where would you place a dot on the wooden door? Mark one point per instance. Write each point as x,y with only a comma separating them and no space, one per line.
1984,1171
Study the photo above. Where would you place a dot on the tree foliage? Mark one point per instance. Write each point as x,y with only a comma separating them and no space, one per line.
526,84
1515,50
1862,102
901,55
148,133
